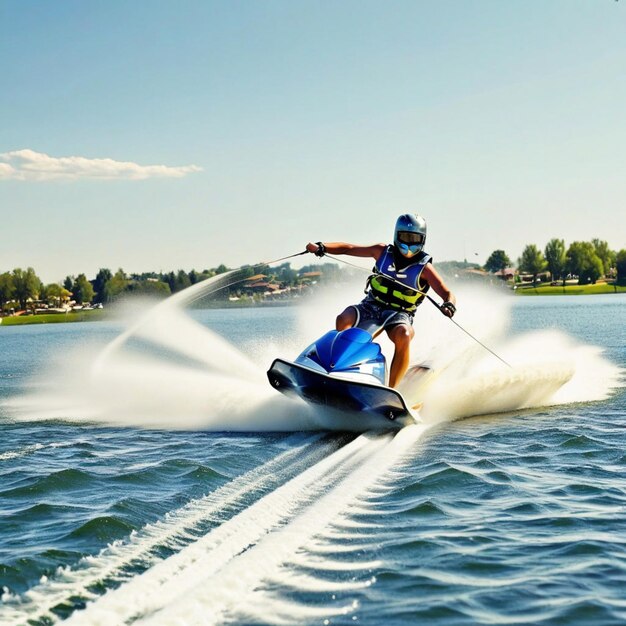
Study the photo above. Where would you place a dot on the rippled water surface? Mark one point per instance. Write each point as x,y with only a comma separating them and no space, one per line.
513,518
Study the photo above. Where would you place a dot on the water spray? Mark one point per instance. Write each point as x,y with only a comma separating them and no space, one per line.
423,293
215,386
467,332
201,289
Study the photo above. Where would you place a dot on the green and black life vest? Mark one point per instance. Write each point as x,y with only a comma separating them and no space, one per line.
396,288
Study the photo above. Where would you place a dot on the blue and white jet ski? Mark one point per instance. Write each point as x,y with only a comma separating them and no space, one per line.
344,370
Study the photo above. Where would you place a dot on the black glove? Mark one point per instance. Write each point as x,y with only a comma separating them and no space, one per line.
321,249
448,306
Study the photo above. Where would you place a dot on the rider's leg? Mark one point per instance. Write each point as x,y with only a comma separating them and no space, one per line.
346,319
400,335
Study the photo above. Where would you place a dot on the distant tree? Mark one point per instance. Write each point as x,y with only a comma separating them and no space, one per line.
605,254
194,277
115,285
182,280
328,270
497,261
555,258
285,274
49,291
145,276
82,290
68,282
27,285
620,263
221,269
149,287
532,261
170,279
178,281
102,277
582,261
7,289
204,275
55,294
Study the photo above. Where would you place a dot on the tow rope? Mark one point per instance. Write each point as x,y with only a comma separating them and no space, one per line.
432,300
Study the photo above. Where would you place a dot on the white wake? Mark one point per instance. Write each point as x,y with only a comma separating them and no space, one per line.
167,370
209,579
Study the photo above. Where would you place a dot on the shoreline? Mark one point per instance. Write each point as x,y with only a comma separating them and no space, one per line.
95,315
98,315
570,290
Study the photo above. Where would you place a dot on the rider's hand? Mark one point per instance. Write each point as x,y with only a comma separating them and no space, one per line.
448,309
318,249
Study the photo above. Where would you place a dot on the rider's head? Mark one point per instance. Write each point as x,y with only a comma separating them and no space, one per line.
410,235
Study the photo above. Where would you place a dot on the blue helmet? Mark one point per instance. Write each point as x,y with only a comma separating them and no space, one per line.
410,234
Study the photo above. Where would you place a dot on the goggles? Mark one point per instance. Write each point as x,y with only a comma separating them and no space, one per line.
405,236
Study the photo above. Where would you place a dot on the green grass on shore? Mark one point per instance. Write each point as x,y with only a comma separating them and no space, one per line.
569,290
99,314
54,318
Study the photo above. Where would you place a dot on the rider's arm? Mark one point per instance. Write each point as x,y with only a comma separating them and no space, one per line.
433,278
340,247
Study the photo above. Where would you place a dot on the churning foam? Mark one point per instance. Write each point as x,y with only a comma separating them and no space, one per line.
547,367
167,370
173,532
215,574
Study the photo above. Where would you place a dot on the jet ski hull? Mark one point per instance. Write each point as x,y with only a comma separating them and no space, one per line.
340,393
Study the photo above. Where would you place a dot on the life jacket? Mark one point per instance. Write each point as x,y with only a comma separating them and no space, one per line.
390,291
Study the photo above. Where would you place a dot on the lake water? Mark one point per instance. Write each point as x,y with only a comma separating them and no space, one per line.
161,480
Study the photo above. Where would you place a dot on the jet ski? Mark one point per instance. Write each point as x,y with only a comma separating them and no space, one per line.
347,371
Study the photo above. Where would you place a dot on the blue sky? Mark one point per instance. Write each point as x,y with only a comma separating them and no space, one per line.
187,134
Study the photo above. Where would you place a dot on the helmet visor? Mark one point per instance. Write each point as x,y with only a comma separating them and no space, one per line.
405,236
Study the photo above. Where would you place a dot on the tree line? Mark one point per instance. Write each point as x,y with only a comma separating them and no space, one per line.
586,260
20,287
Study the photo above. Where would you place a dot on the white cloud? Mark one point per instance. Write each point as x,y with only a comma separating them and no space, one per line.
30,165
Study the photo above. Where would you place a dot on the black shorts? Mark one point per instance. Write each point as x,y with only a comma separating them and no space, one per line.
372,317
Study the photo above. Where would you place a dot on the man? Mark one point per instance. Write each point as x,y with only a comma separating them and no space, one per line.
403,273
